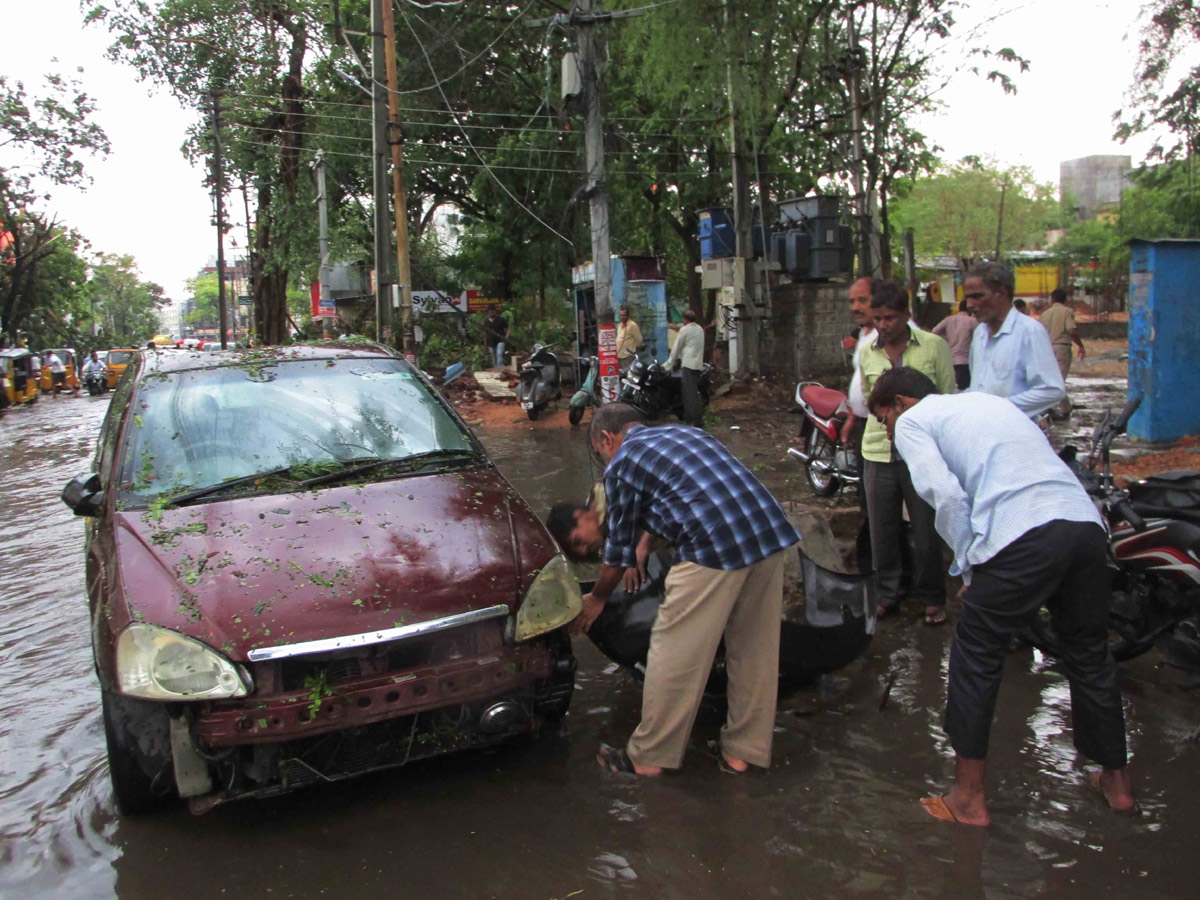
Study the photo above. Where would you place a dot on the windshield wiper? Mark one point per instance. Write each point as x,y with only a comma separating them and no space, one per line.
196,494
418,459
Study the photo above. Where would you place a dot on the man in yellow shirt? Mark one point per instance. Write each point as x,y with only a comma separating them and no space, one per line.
889,488
629,338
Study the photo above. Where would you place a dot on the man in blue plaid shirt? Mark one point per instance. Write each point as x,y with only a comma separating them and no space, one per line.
729,535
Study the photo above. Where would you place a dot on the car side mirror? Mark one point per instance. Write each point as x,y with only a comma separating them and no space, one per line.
84,495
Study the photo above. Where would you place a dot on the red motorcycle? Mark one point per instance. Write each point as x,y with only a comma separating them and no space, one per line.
1154,547
829,464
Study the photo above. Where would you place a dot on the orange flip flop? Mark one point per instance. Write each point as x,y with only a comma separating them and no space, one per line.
936,807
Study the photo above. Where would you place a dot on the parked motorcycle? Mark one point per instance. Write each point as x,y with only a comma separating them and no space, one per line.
655,392
589,390
538,381
1154,549
829,464
95,383
825,627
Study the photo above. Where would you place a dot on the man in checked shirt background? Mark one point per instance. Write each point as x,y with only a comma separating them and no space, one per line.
729,535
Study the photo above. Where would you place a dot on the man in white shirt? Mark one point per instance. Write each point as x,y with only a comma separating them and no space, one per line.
58,372
689,353
1010,353
1024,535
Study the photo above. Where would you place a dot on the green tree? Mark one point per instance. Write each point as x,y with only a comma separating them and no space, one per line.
1165,96
125,307
957,212
205,302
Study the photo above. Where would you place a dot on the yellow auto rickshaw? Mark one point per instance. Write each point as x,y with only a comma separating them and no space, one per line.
116,364
16,369
70,363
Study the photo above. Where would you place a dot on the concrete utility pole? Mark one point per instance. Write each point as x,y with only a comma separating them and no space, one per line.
1000,218
380,152
868,252
251,332
593,137
322,228
743,342
219,196
400,202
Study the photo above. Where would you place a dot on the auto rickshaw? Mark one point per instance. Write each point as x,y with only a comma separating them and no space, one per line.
118,361
16,368
70,362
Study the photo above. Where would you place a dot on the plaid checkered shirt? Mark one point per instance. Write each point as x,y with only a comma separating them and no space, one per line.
683,485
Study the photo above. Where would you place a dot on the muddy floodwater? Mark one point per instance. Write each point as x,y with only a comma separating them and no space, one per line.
836,816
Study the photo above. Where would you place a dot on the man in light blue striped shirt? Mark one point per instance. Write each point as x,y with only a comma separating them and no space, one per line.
1024,534
1011,354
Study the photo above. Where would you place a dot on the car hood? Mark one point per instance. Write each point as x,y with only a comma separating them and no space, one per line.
278,569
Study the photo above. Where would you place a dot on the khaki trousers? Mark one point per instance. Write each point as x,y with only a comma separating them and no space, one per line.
702,604
1063,355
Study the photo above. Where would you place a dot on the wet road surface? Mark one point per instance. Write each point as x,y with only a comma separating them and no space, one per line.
835,816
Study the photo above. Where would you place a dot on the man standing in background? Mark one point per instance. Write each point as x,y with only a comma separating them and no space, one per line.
629,338
957,331
1059,322
1010,353
856,422
885,476
689,353
495,334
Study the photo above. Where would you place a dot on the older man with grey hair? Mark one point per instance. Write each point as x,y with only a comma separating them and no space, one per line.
1011,354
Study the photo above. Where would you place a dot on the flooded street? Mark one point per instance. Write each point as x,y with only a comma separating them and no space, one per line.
836,816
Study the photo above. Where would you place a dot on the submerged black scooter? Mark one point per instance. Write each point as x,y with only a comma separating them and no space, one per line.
539,381
825,628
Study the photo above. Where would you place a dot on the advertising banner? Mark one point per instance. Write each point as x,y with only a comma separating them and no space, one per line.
610,375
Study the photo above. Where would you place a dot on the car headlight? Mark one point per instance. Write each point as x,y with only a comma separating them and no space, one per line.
159,664
551,602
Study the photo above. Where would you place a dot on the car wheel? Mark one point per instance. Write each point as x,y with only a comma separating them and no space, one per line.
820,451
138,734
575,414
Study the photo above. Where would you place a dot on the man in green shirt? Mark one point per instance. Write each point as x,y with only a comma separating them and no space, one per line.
886,480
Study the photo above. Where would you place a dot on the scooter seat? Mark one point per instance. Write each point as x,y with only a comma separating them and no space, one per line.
824,401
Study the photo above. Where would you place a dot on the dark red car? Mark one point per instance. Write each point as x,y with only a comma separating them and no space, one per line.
302,566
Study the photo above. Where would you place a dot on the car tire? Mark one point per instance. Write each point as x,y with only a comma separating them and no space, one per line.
575,414
138,734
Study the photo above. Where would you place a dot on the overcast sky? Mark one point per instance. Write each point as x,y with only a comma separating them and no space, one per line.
146,200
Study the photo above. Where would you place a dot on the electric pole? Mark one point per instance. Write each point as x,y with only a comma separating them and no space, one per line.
868,260
586,21
219,196
251,333
322,229
395,138
380,160
742,340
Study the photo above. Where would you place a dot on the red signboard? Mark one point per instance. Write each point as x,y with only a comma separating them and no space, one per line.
328,308
610,371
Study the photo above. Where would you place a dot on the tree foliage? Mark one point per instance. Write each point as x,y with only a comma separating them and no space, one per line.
957,212
123,305
1165,96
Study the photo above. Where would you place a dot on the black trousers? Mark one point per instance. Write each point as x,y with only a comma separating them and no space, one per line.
693,412
1064,567
962,375
889,490
862,541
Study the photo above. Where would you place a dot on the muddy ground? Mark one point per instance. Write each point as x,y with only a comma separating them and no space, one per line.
836,816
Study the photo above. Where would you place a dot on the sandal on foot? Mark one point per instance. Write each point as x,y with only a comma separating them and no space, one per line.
714,747
615,760
935,618
936,807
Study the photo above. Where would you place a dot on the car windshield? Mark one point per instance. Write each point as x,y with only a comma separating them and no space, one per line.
117,357
301,418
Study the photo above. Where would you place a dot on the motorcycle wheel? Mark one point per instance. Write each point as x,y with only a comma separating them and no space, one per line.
575,415
824,484
533,413
1040,634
